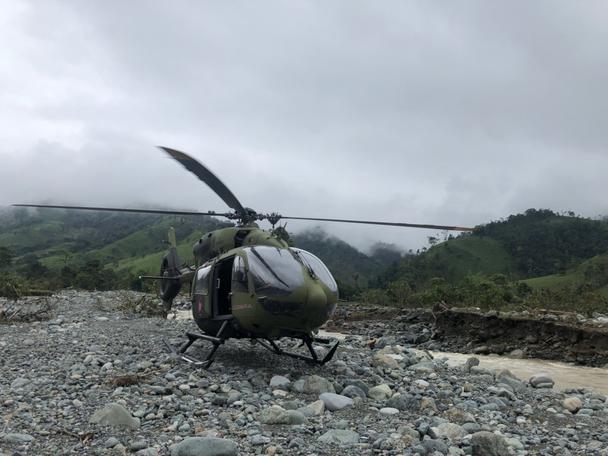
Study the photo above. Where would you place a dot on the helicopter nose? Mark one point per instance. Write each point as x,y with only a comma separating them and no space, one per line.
317,299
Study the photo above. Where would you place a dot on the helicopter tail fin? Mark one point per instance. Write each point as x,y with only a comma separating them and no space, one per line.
170,283
171,238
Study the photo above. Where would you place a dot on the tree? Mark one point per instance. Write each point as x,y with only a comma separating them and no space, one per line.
6,257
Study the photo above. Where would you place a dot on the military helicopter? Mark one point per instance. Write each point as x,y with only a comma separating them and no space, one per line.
247,282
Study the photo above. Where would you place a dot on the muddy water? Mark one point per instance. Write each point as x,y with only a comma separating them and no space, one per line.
565,375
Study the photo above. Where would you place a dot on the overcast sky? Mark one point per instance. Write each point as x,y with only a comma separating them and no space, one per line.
424,112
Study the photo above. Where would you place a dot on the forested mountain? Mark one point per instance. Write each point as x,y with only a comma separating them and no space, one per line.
353,269
541,242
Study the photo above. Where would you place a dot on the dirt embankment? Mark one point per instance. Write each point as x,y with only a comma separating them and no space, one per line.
537,336
565,337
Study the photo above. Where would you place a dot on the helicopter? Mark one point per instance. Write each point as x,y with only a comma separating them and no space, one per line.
247,282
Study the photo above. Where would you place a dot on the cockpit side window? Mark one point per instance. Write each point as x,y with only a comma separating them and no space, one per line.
239,276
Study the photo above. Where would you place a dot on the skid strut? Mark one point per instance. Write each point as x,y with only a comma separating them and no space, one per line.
306,340
266,343
193,337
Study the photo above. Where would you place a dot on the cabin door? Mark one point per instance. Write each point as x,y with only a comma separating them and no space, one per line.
222,280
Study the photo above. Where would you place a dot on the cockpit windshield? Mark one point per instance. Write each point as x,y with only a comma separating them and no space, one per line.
280,271
318,268
274,271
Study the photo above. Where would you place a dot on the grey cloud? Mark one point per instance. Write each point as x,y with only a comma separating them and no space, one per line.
412,111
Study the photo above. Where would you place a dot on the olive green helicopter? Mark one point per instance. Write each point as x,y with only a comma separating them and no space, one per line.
247,282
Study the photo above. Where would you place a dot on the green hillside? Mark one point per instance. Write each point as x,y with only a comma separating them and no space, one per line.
73,248
538,258
591,273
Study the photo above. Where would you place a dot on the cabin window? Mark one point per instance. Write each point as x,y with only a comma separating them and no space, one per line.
318,268
202,281
239,276
274,271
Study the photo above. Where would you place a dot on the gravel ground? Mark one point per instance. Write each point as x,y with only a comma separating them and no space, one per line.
96,380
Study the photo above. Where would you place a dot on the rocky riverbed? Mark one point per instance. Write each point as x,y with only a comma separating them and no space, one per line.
93,377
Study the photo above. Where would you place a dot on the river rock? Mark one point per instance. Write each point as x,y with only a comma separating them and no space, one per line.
358,383
340,437
488,444
517,354
470,362
19,383
204,446
428,403
315,384
16,438
384,360
280,382
541,381
115,415
573,404
147,452
353,391
389,411
423,367
335,402
403,402
278,415
448,431
459,416
380,392
433,447
317,408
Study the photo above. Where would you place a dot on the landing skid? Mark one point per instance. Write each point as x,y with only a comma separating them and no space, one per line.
306,340
266,343
193,337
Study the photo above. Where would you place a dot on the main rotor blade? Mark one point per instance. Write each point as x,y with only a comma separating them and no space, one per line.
204,174
369,222
121,209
